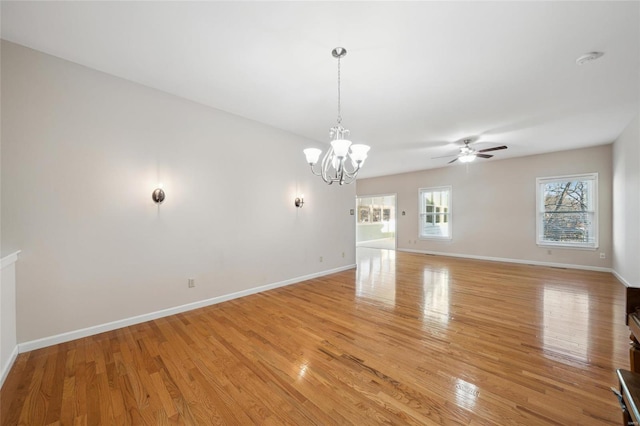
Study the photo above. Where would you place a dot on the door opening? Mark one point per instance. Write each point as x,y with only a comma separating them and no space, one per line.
376,221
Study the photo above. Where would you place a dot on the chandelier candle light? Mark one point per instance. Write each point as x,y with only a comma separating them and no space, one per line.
343,160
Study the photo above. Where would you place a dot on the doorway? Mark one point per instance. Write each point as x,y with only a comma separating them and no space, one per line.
376,221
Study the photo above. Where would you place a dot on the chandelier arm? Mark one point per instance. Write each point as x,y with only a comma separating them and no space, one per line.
331,173
349,179
353,173
314,171
325,165
339,174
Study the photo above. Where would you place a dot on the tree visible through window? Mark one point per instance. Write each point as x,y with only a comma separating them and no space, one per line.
567,214
435,212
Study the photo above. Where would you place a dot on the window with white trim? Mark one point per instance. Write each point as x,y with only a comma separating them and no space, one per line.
567,213
435,213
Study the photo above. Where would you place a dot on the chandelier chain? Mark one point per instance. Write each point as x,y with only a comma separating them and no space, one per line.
339,106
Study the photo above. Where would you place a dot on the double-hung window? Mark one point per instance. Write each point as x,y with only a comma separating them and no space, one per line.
435,212
567,211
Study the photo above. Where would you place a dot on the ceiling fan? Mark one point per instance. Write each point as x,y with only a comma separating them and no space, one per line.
467,154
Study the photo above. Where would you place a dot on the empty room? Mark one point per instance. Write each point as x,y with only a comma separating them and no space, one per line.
319,213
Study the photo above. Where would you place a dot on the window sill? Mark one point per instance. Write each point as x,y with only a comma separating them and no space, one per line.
435,238
567,246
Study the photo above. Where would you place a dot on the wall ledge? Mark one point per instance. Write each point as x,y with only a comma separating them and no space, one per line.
508,260
97,329
9,259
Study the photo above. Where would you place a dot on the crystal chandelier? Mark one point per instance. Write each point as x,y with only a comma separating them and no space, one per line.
343,160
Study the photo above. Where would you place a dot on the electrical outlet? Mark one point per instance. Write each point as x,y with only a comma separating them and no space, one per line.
603,256
342,254
548,251
191,282
320,258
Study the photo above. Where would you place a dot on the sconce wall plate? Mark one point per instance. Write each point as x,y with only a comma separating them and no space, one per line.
158,195
299,202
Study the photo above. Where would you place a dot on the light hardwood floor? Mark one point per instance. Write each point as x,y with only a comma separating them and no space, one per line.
405,339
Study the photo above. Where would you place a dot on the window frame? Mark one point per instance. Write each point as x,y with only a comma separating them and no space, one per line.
540,182
449,213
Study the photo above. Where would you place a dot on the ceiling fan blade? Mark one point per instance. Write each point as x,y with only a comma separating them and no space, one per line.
484,155
455,159
445,156
496,148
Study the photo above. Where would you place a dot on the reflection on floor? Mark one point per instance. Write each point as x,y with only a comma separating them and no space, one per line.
554,335
385,243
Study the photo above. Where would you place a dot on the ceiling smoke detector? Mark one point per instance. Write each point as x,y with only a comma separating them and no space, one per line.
588,57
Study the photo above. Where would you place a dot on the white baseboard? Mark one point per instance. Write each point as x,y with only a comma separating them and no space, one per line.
507,260
622,279
7,366
90,331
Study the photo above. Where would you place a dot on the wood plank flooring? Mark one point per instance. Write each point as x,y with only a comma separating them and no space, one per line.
404,339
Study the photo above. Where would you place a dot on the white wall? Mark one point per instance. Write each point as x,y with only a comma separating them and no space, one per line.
81,153
626,205
494,206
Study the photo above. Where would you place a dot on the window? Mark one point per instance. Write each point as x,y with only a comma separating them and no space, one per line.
567,211
435,212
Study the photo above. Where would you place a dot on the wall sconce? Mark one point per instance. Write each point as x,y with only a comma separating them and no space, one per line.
158,195
299,201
